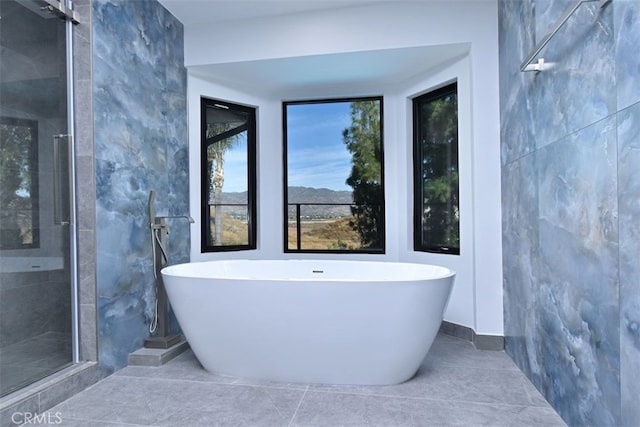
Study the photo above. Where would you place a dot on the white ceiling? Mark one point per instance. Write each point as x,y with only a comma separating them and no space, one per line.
385,66
340,70
191,12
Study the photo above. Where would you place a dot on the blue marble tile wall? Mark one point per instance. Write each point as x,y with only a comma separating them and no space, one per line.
570,139
141,144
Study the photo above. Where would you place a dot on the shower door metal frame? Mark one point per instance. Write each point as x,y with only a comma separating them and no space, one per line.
69,15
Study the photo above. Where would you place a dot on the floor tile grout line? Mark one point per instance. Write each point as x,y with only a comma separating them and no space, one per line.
478,368
92,420
298,407
432,399
157,378
234,383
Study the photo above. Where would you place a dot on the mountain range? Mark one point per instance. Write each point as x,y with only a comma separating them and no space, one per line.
306,195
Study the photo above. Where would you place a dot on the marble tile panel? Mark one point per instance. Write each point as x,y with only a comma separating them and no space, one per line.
577,86
129,126
174,54
516,39
124,190
588,213
520,249
122,329
547,13
175,115
626,15
576,310
139,24
178,175
129,270
139,92
629,213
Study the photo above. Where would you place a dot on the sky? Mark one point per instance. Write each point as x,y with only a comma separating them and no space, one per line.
235,166
316,154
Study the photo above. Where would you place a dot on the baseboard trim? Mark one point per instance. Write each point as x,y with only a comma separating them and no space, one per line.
481,342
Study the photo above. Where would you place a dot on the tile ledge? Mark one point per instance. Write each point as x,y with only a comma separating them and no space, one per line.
480,342
156,356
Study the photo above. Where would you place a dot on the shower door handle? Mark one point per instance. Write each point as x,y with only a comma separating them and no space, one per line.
62,182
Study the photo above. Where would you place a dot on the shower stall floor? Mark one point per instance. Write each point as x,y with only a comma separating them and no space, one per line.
30,360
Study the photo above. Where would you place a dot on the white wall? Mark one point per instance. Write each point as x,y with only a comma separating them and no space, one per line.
477,298
463,293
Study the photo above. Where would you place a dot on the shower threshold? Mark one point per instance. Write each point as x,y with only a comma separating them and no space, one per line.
42,395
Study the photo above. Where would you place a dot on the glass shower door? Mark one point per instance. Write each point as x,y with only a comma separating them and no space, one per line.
36,232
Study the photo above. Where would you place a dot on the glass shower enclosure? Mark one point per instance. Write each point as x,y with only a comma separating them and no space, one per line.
37,237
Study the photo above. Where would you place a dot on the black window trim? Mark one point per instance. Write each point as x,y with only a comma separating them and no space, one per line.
251,175
381,251
418,244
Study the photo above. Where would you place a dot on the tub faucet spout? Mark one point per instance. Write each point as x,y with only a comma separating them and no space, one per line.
187,217
160,222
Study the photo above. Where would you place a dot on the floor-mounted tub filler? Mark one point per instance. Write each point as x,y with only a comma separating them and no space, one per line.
303,321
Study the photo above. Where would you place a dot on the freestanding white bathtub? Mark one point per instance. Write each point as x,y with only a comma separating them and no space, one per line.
327,322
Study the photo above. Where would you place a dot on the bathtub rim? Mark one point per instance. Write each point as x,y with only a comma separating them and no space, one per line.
179,270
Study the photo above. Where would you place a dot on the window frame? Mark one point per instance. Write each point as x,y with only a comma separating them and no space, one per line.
205,247
418,154
286,203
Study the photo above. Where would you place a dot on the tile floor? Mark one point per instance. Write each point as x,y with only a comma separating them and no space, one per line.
456,385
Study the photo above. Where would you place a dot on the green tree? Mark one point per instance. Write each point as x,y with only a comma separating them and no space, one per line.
439,146
364,141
